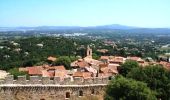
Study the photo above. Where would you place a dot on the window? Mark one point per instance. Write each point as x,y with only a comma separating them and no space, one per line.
80,93
67,95
110,78
92,91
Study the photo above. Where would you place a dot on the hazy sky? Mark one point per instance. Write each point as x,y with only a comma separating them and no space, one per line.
143,13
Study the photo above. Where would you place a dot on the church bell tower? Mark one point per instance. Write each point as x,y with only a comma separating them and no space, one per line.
89,52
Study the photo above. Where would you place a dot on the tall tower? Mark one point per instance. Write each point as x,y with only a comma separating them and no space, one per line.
89,52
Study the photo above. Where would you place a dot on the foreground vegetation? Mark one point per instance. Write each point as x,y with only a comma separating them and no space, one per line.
127,89
140,83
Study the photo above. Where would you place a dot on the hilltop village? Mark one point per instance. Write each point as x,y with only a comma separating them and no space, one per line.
87,67
59,68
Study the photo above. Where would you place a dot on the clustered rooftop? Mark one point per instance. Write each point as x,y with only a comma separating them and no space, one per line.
106,66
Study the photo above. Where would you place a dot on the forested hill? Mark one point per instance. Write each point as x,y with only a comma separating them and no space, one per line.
31,51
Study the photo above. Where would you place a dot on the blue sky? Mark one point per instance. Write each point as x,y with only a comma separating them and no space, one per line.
142,13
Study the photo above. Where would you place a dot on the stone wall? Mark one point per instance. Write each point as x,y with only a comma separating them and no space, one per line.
46,80
43,88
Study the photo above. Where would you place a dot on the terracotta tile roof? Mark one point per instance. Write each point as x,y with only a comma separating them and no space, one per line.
117,59
103,65
136,59
110,69
104,70
163,62
78,74
44,70
45,73
82,74
85,62
82,64
113,65
92,61
102,75
36,70
105,74
113,69
60,74
91,69
51,74
70,72
104,57
50,58
62,68
166,65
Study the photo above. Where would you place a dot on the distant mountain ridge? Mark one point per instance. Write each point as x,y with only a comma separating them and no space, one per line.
115,26
110,27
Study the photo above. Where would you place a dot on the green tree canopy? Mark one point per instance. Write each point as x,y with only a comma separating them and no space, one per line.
122,88
16,73
63,60
156,77
95,56
128,66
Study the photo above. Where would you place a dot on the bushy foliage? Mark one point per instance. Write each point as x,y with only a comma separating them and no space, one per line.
156,77
121,88
63,60
127,67
31,54
16,72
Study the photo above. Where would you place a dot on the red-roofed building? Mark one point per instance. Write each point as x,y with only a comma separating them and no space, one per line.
84,75
45,73
45,70
117,60
79,64
166,65
138,59
82,64
61,74
103,65
111,71
104,59
108,70
36,70
92,70
62,68
112,59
